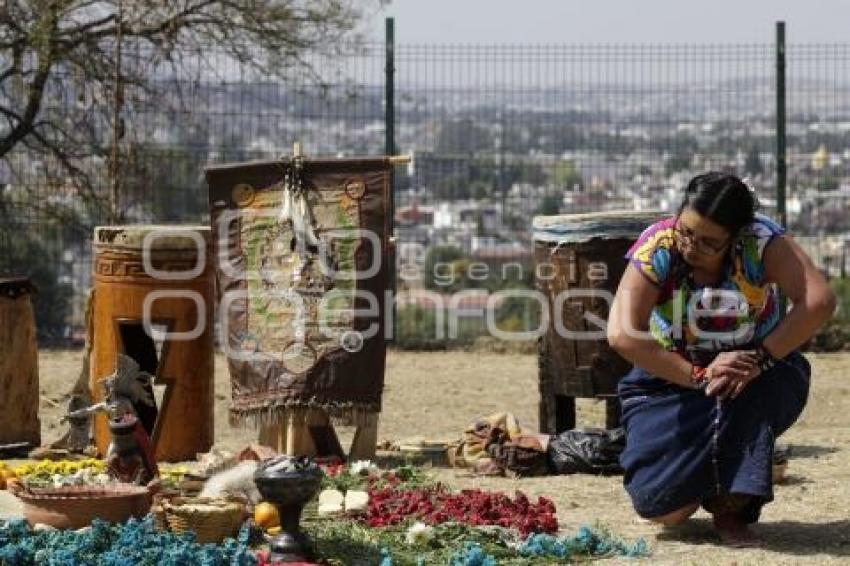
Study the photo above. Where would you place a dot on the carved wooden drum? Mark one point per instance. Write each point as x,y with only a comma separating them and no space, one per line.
153,300
578,265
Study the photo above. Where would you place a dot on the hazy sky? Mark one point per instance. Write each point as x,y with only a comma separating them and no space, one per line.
615,21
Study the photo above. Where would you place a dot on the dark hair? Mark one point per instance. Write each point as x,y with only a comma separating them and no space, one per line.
722,198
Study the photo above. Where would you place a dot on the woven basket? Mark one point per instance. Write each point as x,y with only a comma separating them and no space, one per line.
212,520
157,512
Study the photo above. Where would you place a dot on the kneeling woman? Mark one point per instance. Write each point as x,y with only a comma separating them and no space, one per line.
701,313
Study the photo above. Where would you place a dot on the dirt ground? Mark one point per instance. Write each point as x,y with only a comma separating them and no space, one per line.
434,395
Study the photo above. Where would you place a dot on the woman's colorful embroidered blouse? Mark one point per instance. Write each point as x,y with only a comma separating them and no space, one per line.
740,309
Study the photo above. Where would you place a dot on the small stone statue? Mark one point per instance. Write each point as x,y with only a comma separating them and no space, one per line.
130,454
79,434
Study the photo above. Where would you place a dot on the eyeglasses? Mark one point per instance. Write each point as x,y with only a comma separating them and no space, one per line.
686,238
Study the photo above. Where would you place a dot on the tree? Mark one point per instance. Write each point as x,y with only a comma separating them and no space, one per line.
549,205
25,254
518,314
679,161
64,53
463,136
566,176
445,269
827,182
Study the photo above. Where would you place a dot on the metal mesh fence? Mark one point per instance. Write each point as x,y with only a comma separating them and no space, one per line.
498,134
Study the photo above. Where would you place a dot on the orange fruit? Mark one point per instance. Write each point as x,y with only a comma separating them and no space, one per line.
8,474
265,515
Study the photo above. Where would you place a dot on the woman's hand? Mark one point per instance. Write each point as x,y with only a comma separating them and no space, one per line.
730,372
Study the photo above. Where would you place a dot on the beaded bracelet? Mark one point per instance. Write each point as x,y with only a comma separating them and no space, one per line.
698,375
766,360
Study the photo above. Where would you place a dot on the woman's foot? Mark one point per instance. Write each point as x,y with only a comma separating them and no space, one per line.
734,532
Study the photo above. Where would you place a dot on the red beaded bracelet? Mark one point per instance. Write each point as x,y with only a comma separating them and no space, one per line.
698,375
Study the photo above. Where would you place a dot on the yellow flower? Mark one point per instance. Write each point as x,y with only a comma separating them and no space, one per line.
24,469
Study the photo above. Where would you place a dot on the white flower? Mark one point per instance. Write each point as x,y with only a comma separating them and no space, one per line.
58,480
81,477
362,467
419,534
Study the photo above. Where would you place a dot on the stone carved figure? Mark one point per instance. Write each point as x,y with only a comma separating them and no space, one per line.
129,457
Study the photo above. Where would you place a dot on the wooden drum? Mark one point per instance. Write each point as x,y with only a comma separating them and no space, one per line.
18,364
153,300
578,266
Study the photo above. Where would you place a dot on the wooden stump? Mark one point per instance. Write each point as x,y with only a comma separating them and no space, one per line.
310,433
365,439
19,394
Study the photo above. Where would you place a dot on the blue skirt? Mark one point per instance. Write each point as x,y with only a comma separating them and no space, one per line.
683,447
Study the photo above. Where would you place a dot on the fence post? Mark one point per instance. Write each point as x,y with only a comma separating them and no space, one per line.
389,86
781,165
389,150
117,126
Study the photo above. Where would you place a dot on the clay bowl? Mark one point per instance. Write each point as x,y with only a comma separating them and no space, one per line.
74,507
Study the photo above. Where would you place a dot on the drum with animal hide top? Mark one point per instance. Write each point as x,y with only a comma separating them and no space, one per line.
153,300
18,364
579,260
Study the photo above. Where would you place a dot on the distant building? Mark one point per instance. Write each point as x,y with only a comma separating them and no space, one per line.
415,215
468,216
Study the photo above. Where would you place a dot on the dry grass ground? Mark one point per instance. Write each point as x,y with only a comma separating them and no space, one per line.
436,394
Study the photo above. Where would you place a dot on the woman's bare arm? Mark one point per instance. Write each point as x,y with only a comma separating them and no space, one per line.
628,323
787,265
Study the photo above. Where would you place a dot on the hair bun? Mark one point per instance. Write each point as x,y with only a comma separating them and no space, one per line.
756,202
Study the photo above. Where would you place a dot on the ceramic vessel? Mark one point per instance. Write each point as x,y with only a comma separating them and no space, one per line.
289,483
75,507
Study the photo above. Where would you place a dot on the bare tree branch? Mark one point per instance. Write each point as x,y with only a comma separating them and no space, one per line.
44,62
268,35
